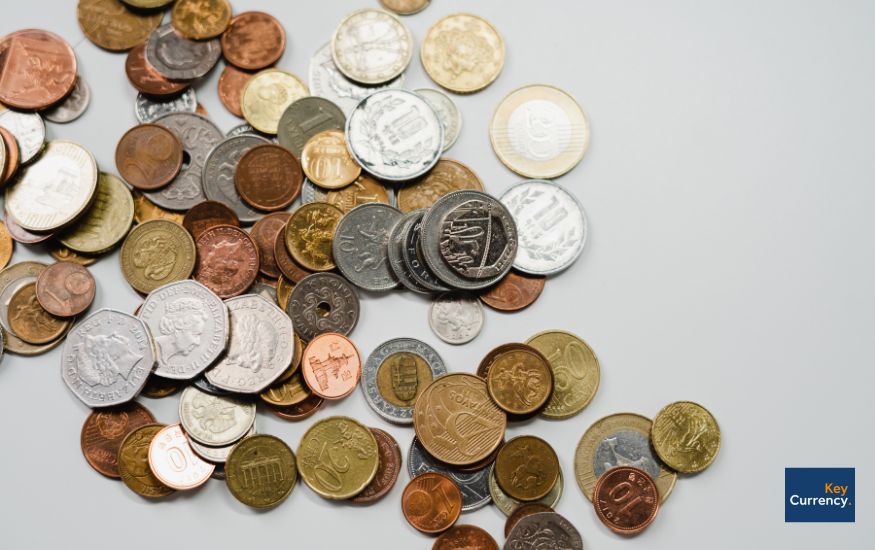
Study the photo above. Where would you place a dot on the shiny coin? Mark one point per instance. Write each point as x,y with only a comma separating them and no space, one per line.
104,431
284,288
214,420
178,58
7,245
446,176
686,436
508,505
174,463
149,156
544,150
261,471
227,260
396,258
338,457
133,463
331,365
216,455
110,25
28,129
146,210
473,485
544,530
30,321
626,500
463,53
149,110
207,214
456,318
105,223
411,253
39,69
526,468
155,253
515,292
447,112
575,369
265,233
323,302
290,392
305,118
518,377
266,97
254,40
73,106
521,512
405,7
371,46
310,233
201,19
291,270
65,289
360,246
327,162
431,503
219,170
364,190
231,84
465,537
268,177
146,79
387,471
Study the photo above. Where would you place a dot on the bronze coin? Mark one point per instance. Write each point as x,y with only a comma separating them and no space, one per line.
157,387
626,500
105,429
207,214
231,85
522,511
227,260
146,79
268,177
63,254
298,411
22,235
30,321
515,292
38,68
431,503
254,40
65,289
13,156
7,245
264,233
465,537
527,468
133,463
149,156
111,25
387,470
201,110
284,261
519,378
477,466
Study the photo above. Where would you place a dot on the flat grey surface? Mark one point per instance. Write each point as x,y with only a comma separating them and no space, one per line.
729,189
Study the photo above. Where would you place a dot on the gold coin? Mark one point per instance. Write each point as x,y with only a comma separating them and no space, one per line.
544,149
527,468
519,379
338,457
7,245
575,372
30,322
446,176
200,19
621,439
507,505
146,210
290,392
686,436
266,96
261,471
456,421
394,378
327,162
405,7
463,53
310,233
112,26
284,288
133,463
106,222
63,254
156,253
296,361
157,387
147,4
363,190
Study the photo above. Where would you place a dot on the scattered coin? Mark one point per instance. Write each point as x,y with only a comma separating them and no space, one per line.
299,411
266,97
30,321
231,84
261,471
463,53
265,233
431,503
216,455
207,214
331,366
387,471
456,318
310,233
307,117
626,500
465,537
150,109
447,112
446,176
219,170
527,468
286,264
519,379
411,253
146,79
473,485
405,7
396,255
323,302
56,77
544,529
104,431
7,246
158,388
155,253
371,46
214,420
73,106
268,177
338,457
201,19
176,57
360,246
508,505
576,372
327,162
227,260
133,463
174,463
105,223
65,289
515,292
112,26
284,288
10,156
28,129
521,512
686,437
285,394
254,40
149,156
145,210
364,190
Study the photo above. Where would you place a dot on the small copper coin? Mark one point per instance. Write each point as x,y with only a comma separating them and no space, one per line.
146,79
626,500
299,411
387,471
268,177
149,156
331,365
231,85
13,156
133,463
431,503
515,292
173,461
527,468
7,245
104,431
465,537
30,322
227,260
519,378
284,261
327,161
254,40
38,68
264,233
522,511
207,214
65,289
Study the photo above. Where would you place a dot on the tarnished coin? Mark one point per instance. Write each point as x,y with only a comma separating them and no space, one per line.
508,505
231,84
331,365
261,471
463,53
390,125
456,318
291,392
214,420
146,210
178,58
30,321
227,260
473,485
521,512
104,431
310,233
201,19
515,292
338,457
110,25
396,255
266,97
264,233
387,471
395,375
527,468
547,148
219,170
299,411
7,245
159,388
371,46
292,271
174,463
305,118
364,190
254,40
327,162
260,349
149,110
38,67
216,455
207,214
360,246
686,436
146,79
544,530
149,156
29,131
447,112
133,463
446,176
107,357
465,537
411,253
268,177
323,302
576,372
626,500
405,7
73,106
519,378
55,190
155,253
65,289
105,223
431,503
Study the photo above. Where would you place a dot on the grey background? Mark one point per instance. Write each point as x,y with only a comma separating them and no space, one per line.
729,187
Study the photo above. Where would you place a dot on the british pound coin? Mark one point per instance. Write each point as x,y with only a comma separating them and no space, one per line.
133,463
207,214
446,176
456,318
254,40
266,97
201,19
268,177
465,537
28,129
360,246
30,321
105,223
146,79
515,292
331,366
626,500
544,529
305,118
73,106
508,505
104,431
519,378
65,289
371,46
310,233
227,260
110,25
387,471
179,58
149,156
527,468
463,53
686,436
261,471
323,302
431,503
411,253
327,162
364,190
38,67
174,463
155,253
214,420
473,485
338,457
150,109
447,112
219,170
576,372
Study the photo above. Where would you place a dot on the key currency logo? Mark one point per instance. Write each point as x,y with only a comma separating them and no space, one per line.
819,495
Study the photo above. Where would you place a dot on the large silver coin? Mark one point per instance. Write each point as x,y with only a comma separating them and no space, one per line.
214,420
219,170
447,112
217,455
507,504
395,135
473,485
73,106
177,57
149,110
626,448
190,326
107,358
360,246
371,46
455,317
305,118
551,226
544,530
396,257
323,302
396,373
29,131
261,348
198,136
411,252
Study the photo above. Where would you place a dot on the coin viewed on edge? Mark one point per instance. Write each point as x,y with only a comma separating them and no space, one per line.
455,317
214,420
626,500
104,431
133,463
686,437
155,253
576,372
174,463
463,53
331,365
431,503
360,246
261,471
527,468
371,46
338,457
323,302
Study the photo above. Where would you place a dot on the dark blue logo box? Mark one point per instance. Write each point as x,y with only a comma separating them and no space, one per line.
819,495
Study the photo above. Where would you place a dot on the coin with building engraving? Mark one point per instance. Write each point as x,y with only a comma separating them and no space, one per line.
387,471
456,317
576,372
215,420
360,246
446,176
474,485
174,463
104,431
331,365
544,530
107,220
338,457
227,260
219,170
133,463
38,68
323,302
179,58
310,233
155,253
463,53
65,289
686,436
431,503
261,471
371,46
626,500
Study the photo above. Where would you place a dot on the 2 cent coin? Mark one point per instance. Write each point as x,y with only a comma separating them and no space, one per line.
149,156
65,289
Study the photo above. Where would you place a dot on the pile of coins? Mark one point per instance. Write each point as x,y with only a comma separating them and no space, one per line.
250,247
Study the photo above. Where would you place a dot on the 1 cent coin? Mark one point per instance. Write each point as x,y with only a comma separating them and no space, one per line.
106,429
30,322
515,292
465,537
38,68
149,156
133,463
254,40
207,214
527,468
174,463
331,365
65,289
626,500
227,260
431,503
387,471
268,177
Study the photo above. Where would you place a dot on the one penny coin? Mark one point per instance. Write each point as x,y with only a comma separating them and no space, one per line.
105,429
626,500
200,19
38,68
431,503
227,260
519,379
207,214
149,156
264,233
13,155
133,463
465,537
521,512
527,468
30,322
146,79
515,292
387,471
65,289
173,461
327,161
231,84
331,365
268,177
254,40
284,261
298,411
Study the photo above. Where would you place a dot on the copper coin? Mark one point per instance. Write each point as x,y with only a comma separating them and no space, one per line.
65,289
519,379
157,387
146,79
254,40
298,411
30,321
104,431
268,177
207,214
387,470
477,466
515,292
22,235
486,362
13,155
38,68
264,233
284,261
626,500
431,503
465,537
7,246
149,156
231,85
331,365
202,111
522,511
227,260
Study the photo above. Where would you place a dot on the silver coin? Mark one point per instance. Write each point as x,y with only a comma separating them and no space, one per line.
413,365
371,46
107,358
395,135
544,530
29,131
305,118
551,226
411,252
217,455
473,485
148,109
469,240
360,246
508,504
73,106
447,112
177,57
264,290
323,302
626,448
455,317
198,136
219,170
247,130
214,420
190,326
396,257
203,384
